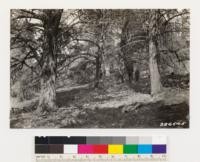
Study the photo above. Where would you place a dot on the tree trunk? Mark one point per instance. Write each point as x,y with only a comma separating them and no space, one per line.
98,70
137,75
47,100
153,66
105,67
107,70
105,64
129,69
154,31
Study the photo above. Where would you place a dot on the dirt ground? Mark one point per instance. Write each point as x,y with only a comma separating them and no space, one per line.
115,107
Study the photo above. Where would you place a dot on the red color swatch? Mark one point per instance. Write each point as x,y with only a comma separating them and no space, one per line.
100,149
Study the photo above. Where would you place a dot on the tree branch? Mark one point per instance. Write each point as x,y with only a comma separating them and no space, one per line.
174,16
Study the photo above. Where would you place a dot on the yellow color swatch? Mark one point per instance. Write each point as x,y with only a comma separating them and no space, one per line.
115,149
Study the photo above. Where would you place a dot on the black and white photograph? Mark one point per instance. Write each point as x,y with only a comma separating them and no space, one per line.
99,68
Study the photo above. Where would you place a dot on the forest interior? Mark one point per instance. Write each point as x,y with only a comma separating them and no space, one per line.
99,68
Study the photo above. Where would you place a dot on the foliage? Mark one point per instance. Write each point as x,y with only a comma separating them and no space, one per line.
101,47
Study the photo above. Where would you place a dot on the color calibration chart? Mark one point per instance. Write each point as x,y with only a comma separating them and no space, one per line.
101,149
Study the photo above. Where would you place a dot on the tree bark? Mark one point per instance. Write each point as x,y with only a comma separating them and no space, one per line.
137,75
153,66
129,69
105,66
98,70
154,31
47,101
107,70
127,55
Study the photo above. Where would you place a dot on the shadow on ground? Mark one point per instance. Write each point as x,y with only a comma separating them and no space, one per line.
146,116
85,107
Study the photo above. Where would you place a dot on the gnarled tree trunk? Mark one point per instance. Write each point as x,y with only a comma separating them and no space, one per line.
47,100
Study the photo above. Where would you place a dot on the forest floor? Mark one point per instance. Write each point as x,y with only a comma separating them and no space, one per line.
114,106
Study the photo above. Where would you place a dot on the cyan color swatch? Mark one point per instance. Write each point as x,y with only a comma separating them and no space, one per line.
144,149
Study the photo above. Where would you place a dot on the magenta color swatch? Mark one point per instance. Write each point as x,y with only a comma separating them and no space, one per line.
85,149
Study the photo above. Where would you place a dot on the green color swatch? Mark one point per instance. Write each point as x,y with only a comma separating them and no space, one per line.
130,149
